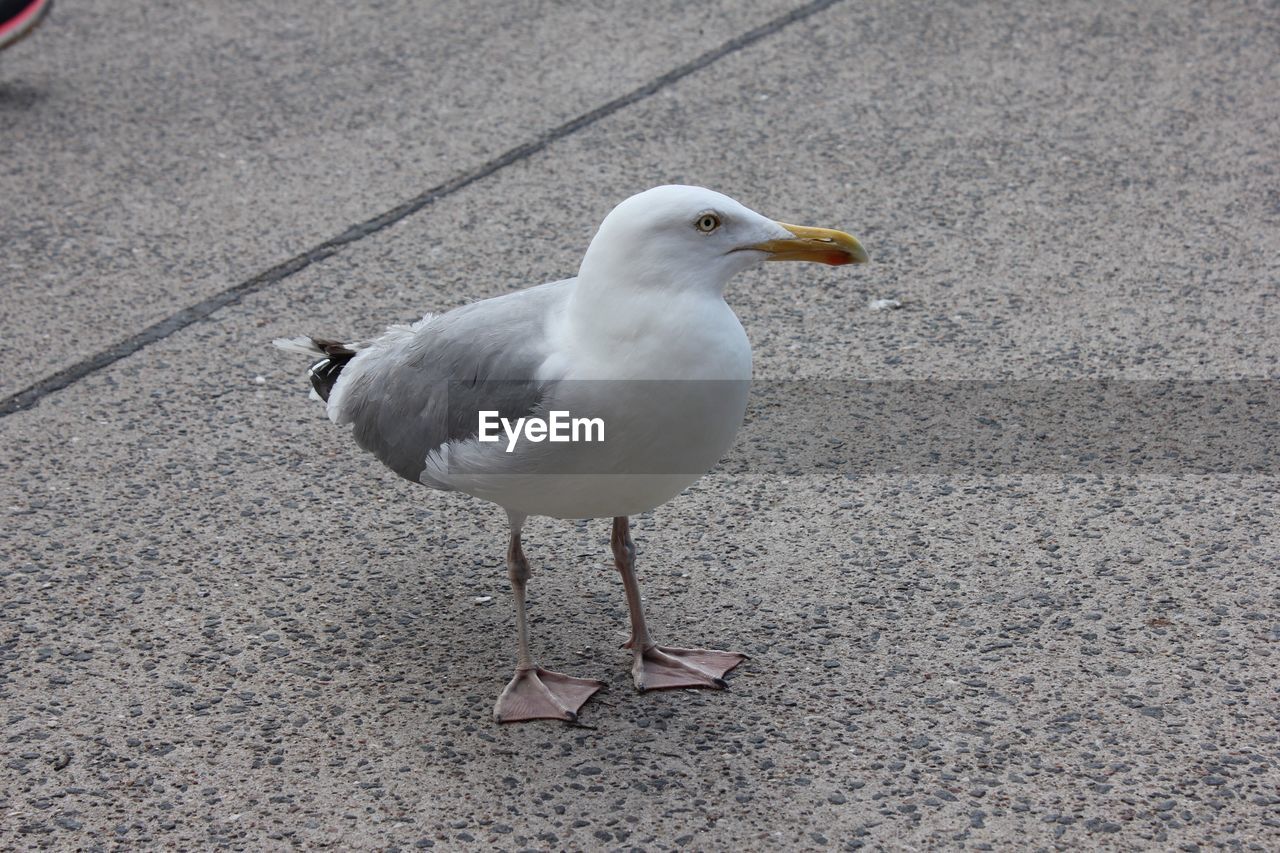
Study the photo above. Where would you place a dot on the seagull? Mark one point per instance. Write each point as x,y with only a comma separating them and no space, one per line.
641,344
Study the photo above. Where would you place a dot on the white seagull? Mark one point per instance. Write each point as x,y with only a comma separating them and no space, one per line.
641,344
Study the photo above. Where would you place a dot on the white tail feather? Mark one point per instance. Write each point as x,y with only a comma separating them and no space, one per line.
302,346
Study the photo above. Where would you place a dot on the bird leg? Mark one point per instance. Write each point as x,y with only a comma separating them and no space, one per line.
535,693
662,667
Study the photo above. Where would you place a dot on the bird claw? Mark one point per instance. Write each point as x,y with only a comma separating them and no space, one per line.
540,694
666,668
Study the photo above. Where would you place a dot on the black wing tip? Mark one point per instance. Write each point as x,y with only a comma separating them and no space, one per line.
324,373
334,348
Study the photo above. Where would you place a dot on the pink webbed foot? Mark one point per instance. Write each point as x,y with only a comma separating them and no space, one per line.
540,694
665,668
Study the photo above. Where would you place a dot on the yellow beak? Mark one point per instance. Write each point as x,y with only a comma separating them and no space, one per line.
821,245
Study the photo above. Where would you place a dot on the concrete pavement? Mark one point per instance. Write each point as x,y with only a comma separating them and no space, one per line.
225,626
162,155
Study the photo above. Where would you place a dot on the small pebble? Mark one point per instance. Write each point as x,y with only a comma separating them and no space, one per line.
884,304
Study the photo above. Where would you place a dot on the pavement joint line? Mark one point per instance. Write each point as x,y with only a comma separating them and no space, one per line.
192,314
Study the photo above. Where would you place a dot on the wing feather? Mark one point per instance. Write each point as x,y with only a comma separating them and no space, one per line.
419,388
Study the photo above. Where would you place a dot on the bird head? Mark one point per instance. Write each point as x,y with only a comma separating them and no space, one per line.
690,237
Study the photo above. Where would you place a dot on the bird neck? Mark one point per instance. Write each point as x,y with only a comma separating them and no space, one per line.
629,327
637,305
613,265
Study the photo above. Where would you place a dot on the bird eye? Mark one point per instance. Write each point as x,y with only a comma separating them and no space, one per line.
707,223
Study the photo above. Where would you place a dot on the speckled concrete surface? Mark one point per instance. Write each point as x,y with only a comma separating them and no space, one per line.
224,626
155,155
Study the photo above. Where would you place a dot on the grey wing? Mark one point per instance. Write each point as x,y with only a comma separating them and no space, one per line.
418,388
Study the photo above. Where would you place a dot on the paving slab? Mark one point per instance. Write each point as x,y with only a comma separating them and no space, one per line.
158,155
227,626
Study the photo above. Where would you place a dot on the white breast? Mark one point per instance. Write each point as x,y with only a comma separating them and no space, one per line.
671,392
